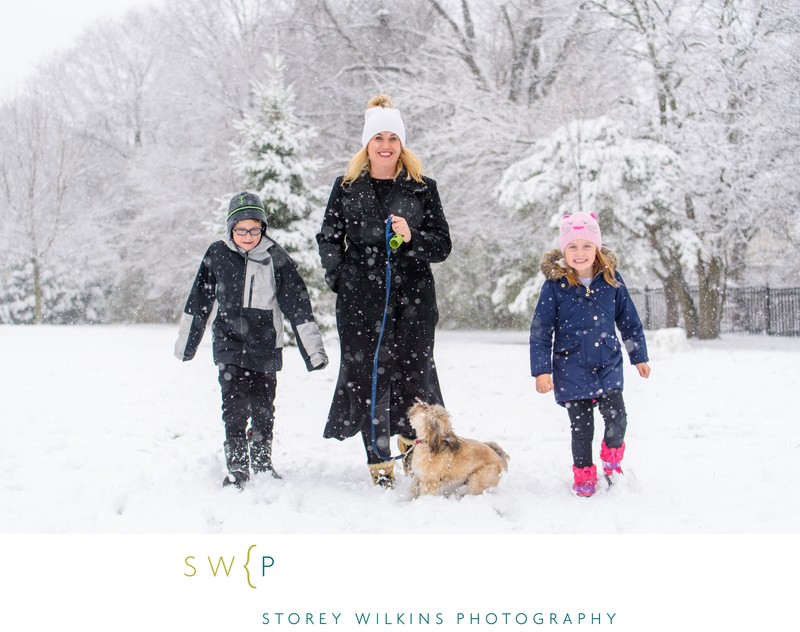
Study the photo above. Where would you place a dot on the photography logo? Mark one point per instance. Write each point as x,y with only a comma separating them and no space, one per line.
250,566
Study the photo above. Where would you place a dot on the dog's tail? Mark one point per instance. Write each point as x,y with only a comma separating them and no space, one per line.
500,452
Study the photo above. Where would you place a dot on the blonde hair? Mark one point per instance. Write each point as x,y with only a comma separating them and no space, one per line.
601,263
359,164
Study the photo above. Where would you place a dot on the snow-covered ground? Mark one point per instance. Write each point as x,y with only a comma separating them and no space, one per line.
104,431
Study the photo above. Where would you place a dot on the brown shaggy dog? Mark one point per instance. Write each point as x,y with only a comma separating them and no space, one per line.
444,463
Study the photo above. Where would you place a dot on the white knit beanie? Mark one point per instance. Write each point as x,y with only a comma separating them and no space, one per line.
379,119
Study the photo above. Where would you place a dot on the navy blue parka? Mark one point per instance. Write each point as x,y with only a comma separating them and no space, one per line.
573,332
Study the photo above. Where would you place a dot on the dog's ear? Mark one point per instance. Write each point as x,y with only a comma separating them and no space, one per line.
440,434
434,435
451,441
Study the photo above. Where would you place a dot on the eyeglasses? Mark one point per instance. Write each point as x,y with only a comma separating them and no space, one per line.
245,231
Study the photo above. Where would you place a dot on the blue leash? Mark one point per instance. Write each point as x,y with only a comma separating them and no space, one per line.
391,244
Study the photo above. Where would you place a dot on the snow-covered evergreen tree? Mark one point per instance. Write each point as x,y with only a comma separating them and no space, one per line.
272,158
65,298
17,303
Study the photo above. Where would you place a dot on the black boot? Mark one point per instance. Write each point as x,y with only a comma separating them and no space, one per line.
261,453
238,463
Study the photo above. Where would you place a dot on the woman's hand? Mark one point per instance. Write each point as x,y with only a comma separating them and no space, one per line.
400,227
544,383
644,369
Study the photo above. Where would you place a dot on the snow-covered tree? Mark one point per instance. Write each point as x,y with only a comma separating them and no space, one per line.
699,75
64,299
17,303
41,162
594,166
148,103
273,157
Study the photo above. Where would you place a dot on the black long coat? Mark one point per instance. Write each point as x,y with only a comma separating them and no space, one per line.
353,252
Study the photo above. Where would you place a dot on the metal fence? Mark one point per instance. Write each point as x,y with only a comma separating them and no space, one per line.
751,310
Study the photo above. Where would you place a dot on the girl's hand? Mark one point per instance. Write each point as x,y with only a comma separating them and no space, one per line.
400,227
644,369
544,383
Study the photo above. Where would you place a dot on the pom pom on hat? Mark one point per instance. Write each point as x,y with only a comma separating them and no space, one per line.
580,226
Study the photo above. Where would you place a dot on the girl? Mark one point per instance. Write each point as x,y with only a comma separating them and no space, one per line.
383,183
581,301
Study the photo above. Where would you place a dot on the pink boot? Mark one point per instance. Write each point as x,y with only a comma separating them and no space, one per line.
611,458
585,480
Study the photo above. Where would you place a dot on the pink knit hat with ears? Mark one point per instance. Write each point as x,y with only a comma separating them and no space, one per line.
580,226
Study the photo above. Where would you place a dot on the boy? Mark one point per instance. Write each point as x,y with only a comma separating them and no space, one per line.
254,283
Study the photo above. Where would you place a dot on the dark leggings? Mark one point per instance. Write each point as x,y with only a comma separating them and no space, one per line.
247,395
382,432
372,456
581,418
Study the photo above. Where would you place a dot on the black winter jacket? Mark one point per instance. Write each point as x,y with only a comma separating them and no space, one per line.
252,291
352,249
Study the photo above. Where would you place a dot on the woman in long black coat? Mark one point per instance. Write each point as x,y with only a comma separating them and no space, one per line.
383,183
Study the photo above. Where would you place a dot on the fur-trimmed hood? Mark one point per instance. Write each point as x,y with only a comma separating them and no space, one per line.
554,267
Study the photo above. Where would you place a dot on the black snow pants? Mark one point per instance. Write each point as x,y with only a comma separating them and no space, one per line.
247,394
581,417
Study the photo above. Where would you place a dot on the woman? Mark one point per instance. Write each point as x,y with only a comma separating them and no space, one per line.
383,182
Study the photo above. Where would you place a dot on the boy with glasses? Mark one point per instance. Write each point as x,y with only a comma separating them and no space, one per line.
254,283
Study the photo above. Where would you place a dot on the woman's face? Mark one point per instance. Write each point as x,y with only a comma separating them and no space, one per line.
384,150
580,255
